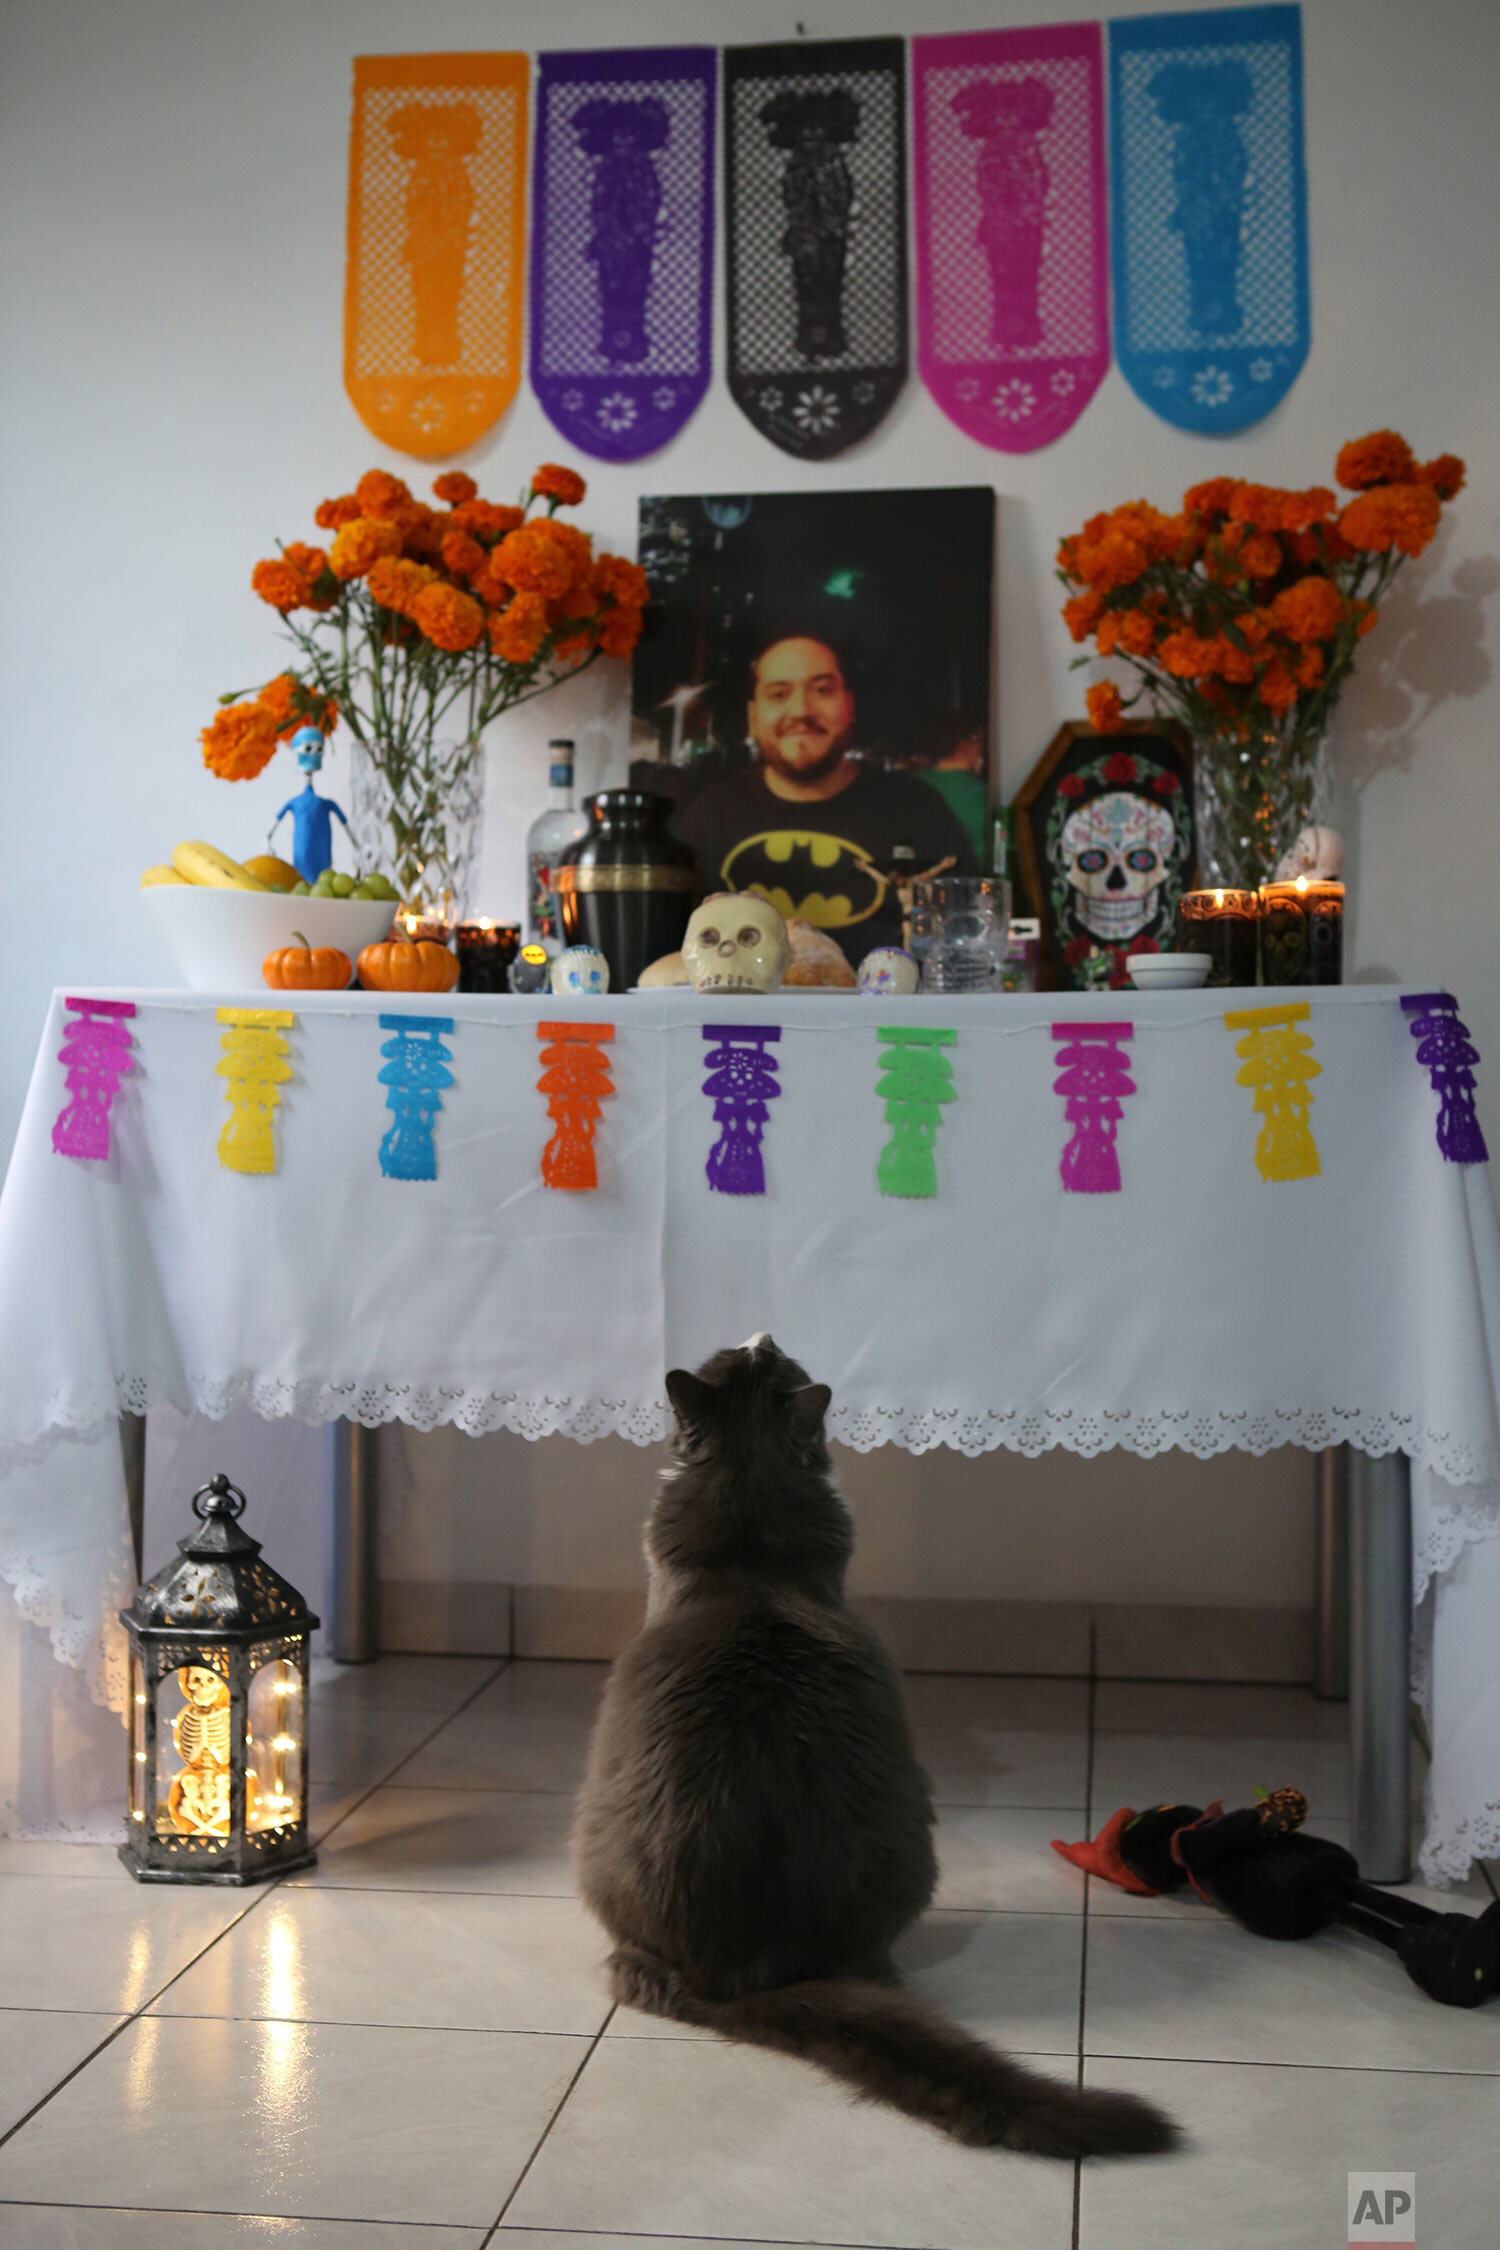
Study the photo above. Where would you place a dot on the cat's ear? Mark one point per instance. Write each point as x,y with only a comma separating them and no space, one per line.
809,1405
690,1396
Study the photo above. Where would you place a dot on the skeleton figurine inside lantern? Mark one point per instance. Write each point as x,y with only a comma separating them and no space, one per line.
1118,841
736,942
218,1710
580,973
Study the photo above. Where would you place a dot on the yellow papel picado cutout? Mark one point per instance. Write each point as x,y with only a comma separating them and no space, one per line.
256,1067
1279,1064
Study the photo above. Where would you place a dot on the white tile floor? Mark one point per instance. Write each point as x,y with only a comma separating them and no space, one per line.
409,2047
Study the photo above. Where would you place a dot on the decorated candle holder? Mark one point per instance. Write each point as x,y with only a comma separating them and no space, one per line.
1302,932
1224,925
486,950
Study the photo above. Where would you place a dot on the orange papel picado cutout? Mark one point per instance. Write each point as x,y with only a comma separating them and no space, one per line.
255,1065
432,291
1279,1064
575,1079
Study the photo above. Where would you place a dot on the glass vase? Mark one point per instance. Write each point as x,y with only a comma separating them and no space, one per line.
416,814
1253,795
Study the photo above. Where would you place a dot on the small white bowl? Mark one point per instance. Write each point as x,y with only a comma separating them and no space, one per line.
219,939
1169,972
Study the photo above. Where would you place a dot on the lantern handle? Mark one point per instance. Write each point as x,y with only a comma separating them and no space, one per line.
220,1497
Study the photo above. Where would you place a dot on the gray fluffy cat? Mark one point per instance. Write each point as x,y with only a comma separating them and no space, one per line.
754,1830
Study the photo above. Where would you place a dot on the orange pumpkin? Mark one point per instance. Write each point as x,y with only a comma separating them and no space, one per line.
407,965
306,968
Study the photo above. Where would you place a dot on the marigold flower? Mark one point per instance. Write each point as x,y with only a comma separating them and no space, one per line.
619,631
486,520
1081,612
1186,654
293,705
536,564
1136,635
571,646
1300,510
1310,610
1310,668
1392,515
552,482
381,495
279,583
519,631
239,741
1380,458
1445,475
622,580
395,582
1259,505
463,554
360,544
450,619
1231,663
1261,555
332,515
1105,713
1211,498
1113,559
454,487
1277,689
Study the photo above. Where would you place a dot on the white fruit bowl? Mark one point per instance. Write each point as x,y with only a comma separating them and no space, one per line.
1168,972
219,939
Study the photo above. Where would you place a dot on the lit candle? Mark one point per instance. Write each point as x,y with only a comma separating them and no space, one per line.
1302,931
1223,925
486,950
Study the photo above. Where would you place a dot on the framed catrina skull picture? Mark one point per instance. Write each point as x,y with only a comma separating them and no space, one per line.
1104,832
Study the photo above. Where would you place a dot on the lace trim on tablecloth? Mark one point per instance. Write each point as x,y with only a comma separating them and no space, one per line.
86,1411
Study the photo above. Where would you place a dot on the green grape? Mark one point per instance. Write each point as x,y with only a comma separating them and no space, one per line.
302,889
342,885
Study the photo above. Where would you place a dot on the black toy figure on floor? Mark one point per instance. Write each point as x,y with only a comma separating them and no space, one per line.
1277,1882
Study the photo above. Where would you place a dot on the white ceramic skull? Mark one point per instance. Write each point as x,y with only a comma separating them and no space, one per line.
888,969
1115,851
580,973
1318,854
736,942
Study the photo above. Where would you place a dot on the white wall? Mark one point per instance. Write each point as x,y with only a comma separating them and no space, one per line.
172,174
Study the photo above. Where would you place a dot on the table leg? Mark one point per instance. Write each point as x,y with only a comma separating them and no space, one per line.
1380,1665
133,1461
1332,1673
353,1543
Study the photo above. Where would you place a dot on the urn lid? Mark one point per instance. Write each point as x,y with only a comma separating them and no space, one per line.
628,827
220,1588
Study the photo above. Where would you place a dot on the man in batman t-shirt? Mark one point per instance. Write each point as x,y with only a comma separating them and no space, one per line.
811,827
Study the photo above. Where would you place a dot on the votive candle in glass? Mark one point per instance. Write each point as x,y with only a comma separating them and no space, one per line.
1302,932
1222,924
486,950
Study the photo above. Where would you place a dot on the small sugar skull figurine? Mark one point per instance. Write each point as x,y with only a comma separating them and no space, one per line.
580,973
887,970
736,942
1318,854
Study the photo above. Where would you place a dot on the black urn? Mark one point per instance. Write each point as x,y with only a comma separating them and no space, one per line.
627,886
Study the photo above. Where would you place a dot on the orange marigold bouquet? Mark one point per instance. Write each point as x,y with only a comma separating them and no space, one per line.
416,626
1241,615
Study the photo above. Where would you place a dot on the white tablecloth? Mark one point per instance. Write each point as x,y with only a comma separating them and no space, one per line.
1202,1306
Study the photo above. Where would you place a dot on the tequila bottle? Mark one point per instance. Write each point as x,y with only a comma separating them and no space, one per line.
547,839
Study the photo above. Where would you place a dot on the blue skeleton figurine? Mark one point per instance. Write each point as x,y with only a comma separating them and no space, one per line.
312,815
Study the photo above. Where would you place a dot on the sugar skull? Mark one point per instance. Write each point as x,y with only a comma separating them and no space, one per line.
888,969
1115,851
736,942
580,973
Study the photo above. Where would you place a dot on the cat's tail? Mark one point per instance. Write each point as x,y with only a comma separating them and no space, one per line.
887,2046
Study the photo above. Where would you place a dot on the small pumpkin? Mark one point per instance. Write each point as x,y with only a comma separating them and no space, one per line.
307,968
408,965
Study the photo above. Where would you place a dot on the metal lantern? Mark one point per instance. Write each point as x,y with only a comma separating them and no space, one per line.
218,1710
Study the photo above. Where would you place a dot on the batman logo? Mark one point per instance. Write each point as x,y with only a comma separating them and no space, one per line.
825,880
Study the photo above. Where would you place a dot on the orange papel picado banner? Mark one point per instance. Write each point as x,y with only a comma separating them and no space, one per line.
436,259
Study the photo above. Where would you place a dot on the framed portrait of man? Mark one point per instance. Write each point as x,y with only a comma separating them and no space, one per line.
813,690
1106,843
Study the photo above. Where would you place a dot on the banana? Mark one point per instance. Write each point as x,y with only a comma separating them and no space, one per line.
155,875
215,870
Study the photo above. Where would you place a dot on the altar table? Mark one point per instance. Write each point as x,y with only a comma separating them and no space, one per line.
1112,1256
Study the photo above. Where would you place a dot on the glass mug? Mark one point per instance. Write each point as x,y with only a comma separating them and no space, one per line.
959,927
